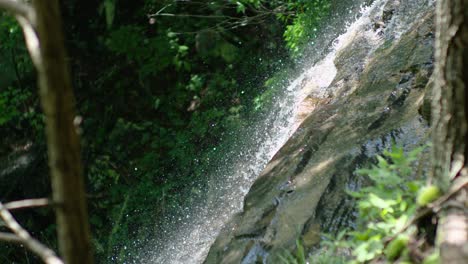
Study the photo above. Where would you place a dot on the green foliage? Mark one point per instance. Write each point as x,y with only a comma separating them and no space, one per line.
10,32
328,253
18,108
108,8
383,231
305,25
386,206
301,18
385,210
17,103
433,258
277,82
159,97
10,100
15,64
395,248
167,99
242,5
298,258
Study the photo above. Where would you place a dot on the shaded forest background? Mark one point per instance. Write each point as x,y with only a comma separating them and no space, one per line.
159,85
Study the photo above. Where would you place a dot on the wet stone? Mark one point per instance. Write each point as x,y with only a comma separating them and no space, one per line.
378,93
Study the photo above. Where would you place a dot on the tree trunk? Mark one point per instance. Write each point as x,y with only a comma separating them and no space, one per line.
450,126
62,139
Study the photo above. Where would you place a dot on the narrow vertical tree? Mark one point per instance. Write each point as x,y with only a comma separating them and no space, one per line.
62,138
450,127
42,27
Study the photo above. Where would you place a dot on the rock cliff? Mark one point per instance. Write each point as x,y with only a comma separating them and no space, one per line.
378,96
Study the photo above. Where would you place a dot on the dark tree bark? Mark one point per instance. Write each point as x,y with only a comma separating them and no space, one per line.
62,139
450,127
42,26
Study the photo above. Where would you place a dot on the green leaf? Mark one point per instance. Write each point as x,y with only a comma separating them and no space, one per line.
300,252
240,7
109,9
381,161
183,48
413,186
379,202
355,194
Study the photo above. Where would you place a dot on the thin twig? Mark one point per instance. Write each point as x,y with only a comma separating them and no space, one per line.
46,254
160,10
29,203
229,22
189,15
9,237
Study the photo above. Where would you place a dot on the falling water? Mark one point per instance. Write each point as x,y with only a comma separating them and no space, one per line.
188,233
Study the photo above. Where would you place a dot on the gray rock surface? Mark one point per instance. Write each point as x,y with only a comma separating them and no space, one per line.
375,98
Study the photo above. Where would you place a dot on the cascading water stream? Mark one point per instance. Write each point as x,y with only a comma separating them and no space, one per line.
187,234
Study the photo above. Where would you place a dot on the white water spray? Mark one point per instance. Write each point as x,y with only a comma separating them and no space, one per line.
190,234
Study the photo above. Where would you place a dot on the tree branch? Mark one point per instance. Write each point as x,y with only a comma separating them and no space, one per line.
20,235
434,207
17,8
189,15
27,204
32,40
9,237
26,17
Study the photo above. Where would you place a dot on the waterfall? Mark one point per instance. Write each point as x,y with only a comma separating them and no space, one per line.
188,233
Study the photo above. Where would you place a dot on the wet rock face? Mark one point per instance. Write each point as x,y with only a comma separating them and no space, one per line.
378,90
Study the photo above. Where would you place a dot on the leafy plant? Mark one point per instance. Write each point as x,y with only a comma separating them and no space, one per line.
384,230
386,206
327,254
305,25
159,97
297,258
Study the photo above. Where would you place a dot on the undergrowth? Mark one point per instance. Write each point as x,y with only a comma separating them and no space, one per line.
390,227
